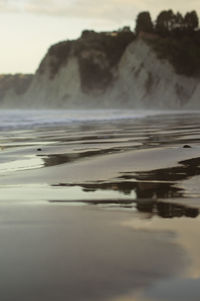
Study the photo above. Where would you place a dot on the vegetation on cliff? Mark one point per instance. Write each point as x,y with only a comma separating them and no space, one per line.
98,55
182,52
174,37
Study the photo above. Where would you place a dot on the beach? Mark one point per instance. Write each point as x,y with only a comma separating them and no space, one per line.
104,207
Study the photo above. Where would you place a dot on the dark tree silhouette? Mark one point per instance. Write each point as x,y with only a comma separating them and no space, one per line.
178,29
179,21
144,23
191,21
165,22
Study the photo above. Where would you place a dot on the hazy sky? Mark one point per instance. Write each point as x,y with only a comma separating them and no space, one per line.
29,27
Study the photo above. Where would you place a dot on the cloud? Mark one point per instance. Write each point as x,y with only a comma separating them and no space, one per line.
11,5
115,10
106,8
4,5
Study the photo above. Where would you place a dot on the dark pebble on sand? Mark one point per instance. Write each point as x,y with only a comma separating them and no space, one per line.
186,146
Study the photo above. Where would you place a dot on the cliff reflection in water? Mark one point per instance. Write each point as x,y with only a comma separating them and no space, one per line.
153,189
150,188
147,201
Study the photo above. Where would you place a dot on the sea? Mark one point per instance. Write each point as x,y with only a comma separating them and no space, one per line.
26,119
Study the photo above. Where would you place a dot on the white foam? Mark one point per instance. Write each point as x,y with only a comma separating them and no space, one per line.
26,119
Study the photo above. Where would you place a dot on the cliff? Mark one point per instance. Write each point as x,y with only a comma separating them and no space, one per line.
107,70
146,81
79,73
14,85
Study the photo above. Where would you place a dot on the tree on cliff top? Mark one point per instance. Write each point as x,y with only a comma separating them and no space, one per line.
165,22
191,20
144,23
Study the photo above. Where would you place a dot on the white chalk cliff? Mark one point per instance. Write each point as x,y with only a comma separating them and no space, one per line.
146,81
139,80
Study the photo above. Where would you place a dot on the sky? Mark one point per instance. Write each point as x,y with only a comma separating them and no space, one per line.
29,27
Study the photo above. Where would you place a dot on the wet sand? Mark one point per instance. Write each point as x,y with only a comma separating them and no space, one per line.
101,211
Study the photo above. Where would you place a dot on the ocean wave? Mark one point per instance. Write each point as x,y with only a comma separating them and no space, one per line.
25,119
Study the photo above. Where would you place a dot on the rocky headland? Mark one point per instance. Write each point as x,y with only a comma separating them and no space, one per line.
119,69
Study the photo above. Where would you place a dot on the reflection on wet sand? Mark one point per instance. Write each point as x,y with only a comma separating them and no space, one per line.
143,203
167,210
57,159
132,239
61,253
186,286
149,188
